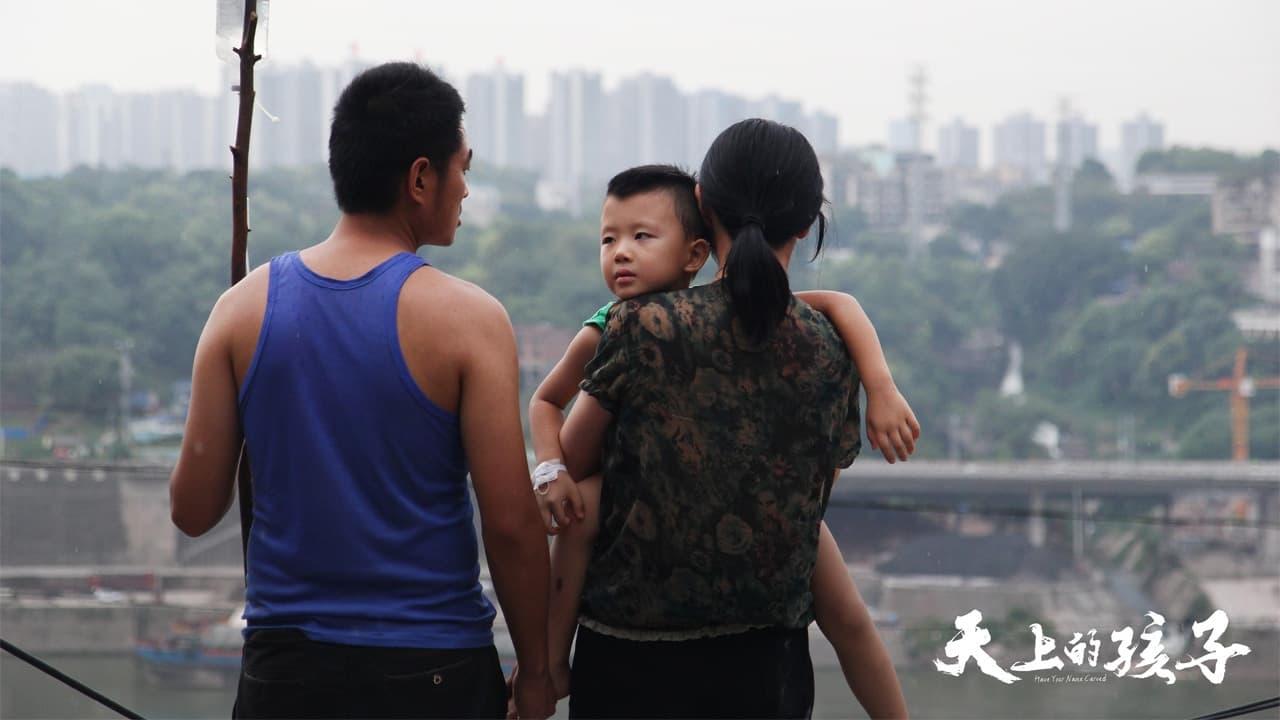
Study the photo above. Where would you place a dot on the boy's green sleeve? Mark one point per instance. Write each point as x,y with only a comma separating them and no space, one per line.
601,317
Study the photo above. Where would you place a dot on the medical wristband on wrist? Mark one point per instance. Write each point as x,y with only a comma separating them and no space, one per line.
545,474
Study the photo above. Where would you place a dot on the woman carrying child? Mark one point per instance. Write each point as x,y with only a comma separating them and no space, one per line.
719,416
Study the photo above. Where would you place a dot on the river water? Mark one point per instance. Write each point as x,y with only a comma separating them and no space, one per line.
27,693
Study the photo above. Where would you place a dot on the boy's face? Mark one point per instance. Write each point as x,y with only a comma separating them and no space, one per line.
644,248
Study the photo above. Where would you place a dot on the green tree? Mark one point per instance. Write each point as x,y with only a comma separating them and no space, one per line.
85,380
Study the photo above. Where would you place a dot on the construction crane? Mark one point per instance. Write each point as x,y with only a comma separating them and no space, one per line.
1241,387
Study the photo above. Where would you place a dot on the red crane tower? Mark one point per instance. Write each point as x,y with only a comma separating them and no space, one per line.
1242,387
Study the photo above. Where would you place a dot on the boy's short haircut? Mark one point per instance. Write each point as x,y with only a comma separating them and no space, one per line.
678,183
389,116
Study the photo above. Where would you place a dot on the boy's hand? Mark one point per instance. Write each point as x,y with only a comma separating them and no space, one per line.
891,426
562,504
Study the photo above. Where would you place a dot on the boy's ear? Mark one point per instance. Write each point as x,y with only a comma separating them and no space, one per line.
699,251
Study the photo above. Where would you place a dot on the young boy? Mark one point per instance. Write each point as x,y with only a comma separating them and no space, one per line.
652,240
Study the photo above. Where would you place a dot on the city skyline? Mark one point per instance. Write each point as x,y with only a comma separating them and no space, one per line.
641,118
1111,61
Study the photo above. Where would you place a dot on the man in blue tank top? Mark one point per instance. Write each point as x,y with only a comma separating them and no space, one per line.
366,385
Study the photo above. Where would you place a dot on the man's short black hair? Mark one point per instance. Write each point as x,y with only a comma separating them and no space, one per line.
389,116
678,183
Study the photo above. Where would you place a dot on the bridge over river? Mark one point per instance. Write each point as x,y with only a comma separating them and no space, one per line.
83,514
1039,490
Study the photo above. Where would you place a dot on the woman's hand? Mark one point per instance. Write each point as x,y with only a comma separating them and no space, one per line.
562,503
892,427
560,680
530,697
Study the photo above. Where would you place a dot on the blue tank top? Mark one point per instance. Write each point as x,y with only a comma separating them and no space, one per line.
362,519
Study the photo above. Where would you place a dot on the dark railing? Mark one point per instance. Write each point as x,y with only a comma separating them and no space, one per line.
62,677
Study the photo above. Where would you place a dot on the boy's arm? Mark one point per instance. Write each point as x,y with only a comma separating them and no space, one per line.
546,417
845,621
857,332
202,484
514,541
892,427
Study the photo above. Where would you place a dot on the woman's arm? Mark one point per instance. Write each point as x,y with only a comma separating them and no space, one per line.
892,427
582,436
609,376
546,417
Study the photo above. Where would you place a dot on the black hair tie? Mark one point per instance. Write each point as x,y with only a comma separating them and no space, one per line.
753,220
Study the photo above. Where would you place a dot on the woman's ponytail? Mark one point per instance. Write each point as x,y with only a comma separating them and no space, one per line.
759,291
762,181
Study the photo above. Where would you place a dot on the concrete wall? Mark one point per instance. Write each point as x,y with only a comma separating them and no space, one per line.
86,626
915,599
85,515
56,517
150,536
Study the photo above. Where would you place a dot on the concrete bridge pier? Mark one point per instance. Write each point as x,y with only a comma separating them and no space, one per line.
1035,521
1077,524
1268,530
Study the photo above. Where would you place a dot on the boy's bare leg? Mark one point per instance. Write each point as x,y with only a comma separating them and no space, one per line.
845,621
570,554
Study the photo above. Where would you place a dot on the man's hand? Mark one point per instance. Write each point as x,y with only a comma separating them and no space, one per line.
532,696
512,713
892,427
562,504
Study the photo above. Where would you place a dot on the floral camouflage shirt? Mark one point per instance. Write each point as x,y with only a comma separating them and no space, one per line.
717,465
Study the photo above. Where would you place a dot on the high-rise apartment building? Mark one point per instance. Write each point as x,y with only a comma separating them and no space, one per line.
823,130
646,122
1138,136
787,112
1077,141
903,137
958,145
709,113
297,130
1018,148
495,118
30,119
93,124
576,149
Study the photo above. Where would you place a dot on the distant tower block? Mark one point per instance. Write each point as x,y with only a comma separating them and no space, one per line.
916,164
1062,172
918,102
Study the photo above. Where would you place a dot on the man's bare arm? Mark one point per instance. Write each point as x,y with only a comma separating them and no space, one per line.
514,539
202,485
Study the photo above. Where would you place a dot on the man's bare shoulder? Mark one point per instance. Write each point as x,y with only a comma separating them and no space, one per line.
452,300
244,300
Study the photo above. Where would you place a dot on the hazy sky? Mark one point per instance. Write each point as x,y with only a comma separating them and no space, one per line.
1209,69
